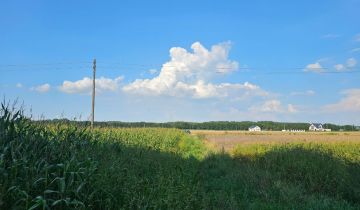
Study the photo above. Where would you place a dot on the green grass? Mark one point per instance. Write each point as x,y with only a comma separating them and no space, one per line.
70,167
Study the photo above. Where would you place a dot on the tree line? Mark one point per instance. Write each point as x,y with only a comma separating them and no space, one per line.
214,125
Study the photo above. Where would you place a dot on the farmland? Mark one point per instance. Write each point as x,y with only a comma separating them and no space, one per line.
67,166
227,140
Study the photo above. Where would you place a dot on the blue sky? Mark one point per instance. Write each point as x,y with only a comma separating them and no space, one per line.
184,60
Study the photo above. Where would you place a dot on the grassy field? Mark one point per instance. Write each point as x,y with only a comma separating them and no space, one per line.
70,167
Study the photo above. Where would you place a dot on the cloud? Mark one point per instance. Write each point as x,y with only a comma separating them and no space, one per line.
273,106
85,85
291,108
355,50
357,38
314,67
339,67
41,88
330,36
349,103
190,73
304,93
351,62
208,90
153,71
19,85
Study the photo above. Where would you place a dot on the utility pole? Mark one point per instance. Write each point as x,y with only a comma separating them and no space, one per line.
93,96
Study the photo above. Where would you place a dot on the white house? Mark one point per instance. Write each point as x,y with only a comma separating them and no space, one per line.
316,127
254,128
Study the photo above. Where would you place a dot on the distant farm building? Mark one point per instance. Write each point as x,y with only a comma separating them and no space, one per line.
317,127
254,128
293,130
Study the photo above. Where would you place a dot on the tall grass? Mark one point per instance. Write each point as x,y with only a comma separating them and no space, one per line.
65,166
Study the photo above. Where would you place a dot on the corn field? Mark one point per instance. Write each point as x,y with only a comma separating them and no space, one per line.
66,166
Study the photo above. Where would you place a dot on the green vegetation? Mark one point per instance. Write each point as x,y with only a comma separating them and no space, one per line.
315,175
66,166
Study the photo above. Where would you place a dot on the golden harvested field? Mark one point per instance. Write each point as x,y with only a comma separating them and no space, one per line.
229,139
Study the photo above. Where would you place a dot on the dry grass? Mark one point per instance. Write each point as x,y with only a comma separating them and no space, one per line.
227,140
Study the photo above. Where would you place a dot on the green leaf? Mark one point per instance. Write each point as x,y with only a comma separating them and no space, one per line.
50,191
57,202
62,185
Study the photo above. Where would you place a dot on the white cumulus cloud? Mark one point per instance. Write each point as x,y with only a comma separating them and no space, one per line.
19,85
271,106
207,90
339,67
275,106
41,88
189,73
351,62
349,103
85,85
314,67
291,108
152,71
303,93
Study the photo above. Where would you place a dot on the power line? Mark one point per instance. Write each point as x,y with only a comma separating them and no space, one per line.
122,65
218,70
45,68
301,72
62,66
43,64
